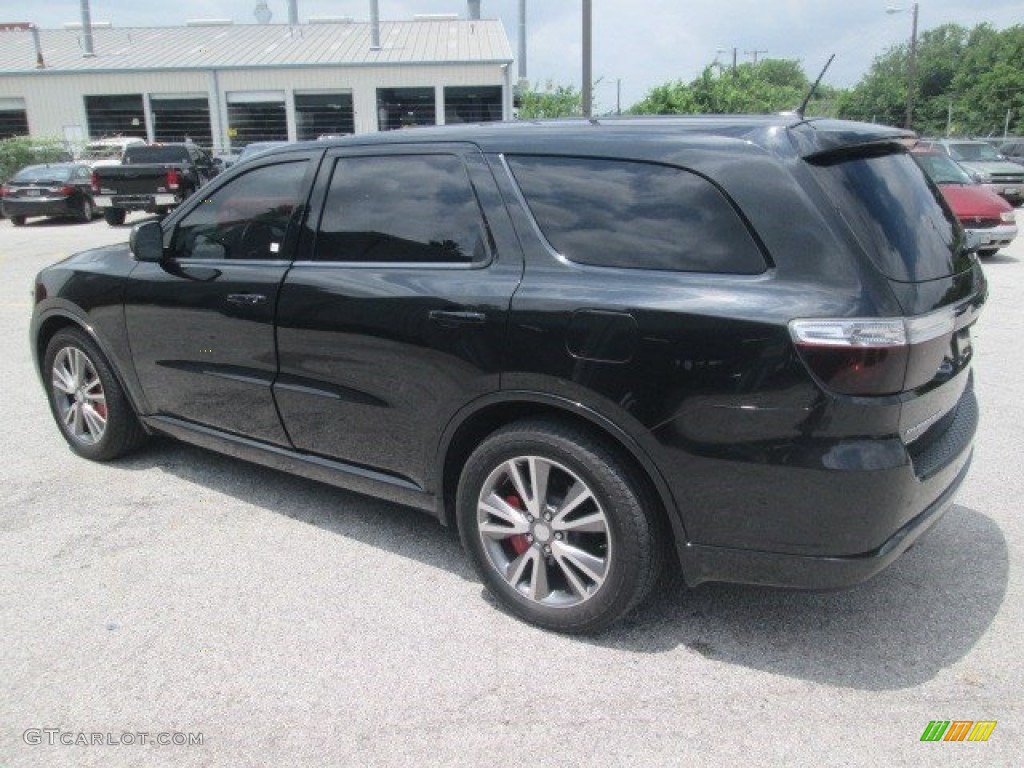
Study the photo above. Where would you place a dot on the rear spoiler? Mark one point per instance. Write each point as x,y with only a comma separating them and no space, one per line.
825,141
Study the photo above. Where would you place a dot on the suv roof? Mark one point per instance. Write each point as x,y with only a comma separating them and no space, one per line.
812,137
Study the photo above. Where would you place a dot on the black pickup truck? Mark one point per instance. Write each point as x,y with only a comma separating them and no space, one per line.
153,178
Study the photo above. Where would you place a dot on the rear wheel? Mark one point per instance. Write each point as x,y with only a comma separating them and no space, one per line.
558,526
86,211
988,252
114,216
87,400
18,221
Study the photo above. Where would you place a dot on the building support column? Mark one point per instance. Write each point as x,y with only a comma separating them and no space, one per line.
147,118
439,115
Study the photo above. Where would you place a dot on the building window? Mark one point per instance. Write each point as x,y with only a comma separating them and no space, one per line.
405,107
323,114
116,115
13,118
474,104
177,118
256,116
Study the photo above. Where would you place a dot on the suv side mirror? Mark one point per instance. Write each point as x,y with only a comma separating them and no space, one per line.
146,241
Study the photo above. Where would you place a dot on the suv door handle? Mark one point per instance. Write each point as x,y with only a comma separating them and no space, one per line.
246,299
450,318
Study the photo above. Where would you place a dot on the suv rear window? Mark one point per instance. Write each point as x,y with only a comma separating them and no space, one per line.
898,216
618,213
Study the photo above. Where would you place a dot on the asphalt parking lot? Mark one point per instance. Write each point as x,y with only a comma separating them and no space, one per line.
289,623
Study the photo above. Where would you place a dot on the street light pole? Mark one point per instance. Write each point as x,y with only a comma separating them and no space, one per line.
911,64
588,76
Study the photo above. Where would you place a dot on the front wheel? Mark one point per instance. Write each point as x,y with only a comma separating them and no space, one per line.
559,527
988,252
18,221
87,400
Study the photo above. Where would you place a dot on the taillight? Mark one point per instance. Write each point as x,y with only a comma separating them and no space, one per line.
67,190
5,191
173,178
95,180
875,356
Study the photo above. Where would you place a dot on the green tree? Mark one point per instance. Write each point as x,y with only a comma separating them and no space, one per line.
20,151
553,101
965,81
771,85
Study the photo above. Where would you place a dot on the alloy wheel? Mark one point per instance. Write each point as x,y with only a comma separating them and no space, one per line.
544,531
79,396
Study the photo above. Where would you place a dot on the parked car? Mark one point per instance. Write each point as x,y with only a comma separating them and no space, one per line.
988,219
740,342
51,189
254,148
109,151
153,178
1013,151
985,165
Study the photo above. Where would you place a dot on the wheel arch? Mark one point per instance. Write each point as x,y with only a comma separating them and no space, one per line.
56,321
483,417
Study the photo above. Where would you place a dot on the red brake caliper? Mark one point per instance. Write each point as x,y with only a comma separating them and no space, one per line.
519,542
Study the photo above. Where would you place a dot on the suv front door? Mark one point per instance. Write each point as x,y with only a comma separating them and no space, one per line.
201,322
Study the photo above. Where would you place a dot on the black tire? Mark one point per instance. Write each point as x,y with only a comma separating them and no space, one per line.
624,541
114,216
76,409
86,211
988,252
18,221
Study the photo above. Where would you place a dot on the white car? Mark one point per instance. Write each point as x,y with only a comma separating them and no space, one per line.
103,152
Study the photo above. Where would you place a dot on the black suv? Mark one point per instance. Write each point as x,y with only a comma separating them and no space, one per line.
742,343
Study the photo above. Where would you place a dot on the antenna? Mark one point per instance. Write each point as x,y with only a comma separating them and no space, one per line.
803,106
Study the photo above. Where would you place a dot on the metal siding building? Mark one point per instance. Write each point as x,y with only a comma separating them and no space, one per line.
227,85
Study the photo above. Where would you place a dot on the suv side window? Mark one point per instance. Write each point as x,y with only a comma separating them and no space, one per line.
403,208
247,218
618,213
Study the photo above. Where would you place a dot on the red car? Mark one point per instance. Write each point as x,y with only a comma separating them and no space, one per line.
988,219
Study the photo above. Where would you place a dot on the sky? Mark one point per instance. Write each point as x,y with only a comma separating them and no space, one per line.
640,43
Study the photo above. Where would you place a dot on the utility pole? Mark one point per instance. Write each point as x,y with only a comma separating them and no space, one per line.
911,63
618,99
588,76
755,54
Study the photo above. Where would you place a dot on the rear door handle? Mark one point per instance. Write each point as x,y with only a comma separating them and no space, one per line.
451,318
246,299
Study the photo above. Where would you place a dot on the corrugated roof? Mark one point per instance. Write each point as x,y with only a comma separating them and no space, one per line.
258,45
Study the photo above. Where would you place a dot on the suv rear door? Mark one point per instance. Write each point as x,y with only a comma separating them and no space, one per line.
394,315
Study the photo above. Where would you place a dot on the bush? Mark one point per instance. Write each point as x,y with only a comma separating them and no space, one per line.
20,151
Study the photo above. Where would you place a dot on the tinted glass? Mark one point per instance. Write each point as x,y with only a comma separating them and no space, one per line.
42,173
140,155
245,219
410,208
899,218
612,213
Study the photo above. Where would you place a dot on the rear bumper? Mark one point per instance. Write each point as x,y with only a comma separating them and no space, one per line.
48,207
703,563
1012,191
135,202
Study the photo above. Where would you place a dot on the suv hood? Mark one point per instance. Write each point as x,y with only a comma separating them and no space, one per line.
973,201
991,166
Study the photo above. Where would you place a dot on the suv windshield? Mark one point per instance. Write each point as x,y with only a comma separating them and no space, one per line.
973,151
942,170
901,221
